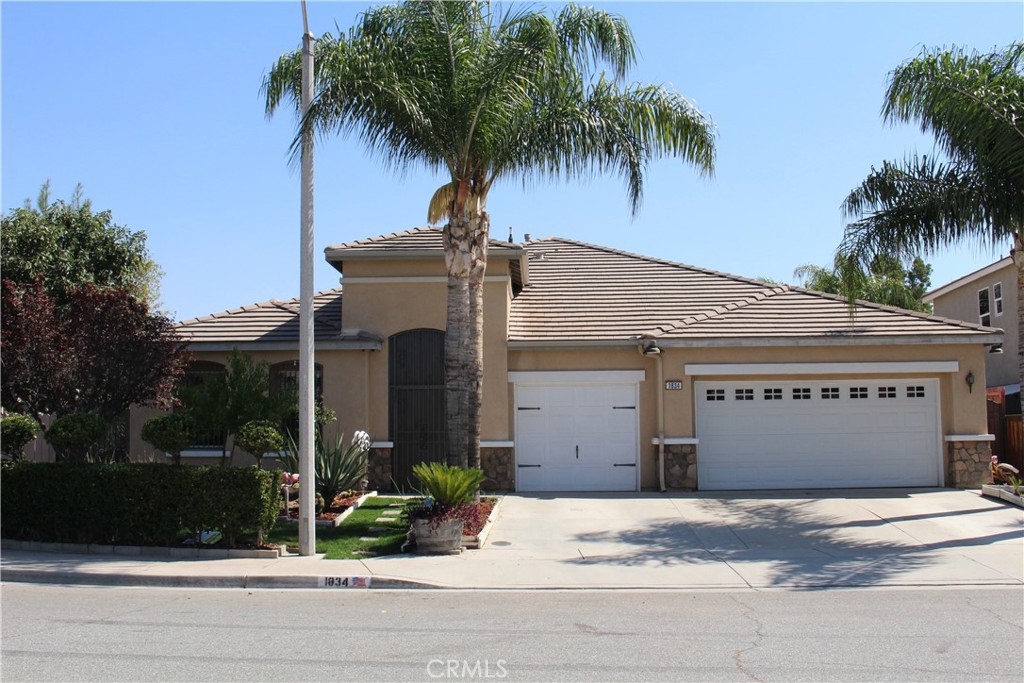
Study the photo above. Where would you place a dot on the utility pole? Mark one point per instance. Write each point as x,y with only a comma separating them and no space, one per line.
307,474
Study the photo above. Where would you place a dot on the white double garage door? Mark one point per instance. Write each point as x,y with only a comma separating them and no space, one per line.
751,434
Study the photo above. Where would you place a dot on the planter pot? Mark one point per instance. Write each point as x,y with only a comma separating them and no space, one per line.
1003,492
444,538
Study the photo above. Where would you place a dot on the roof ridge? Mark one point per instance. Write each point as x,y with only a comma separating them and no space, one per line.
272,303
719,311
371,240
894,309
651,259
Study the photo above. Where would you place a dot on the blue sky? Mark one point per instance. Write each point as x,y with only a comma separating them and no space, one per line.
155,108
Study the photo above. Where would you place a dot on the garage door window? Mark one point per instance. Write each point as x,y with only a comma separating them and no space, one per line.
830,393
915,392
773,394
744,394
886,392
858,392
716,394
801,394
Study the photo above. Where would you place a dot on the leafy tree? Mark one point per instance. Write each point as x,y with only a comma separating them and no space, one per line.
224,403
170,433
15,432
66,245
101,353
74,435
259,437
886,281
974,106
484,94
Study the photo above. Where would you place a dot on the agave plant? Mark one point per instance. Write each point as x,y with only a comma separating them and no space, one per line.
338,467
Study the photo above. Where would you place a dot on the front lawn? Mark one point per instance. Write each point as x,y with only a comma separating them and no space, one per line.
344,542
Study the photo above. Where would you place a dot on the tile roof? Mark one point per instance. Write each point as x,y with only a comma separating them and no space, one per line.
585,293
272,321
414,240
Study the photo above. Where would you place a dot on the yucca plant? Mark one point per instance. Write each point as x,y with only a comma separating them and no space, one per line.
338,467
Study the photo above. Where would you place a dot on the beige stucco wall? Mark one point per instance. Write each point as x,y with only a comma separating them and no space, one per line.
962,304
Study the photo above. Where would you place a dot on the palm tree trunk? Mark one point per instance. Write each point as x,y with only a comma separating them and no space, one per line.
1018,260
465,247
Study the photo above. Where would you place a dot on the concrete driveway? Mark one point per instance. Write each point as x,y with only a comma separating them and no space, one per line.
880,537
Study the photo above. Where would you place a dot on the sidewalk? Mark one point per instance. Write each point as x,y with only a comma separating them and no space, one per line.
915,538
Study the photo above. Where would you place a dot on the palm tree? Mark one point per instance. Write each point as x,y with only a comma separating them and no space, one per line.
885,281
974,106
484,95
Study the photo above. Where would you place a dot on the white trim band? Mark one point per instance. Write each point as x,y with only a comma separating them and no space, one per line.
525,377
970,437
878,368
497,444
382,444
677,441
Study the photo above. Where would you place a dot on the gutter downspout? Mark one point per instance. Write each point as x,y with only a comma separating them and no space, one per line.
654,352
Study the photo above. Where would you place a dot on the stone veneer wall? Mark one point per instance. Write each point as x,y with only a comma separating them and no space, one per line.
498,464
968,463
380,469
680,466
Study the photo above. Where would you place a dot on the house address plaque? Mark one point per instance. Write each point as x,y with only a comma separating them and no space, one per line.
673,384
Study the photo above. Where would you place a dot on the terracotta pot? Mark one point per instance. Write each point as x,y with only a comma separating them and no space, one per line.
444,538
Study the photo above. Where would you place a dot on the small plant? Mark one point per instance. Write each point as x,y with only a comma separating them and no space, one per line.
448,485
74,434
1015,482
171,433
259,437
318,504
338,467
15,432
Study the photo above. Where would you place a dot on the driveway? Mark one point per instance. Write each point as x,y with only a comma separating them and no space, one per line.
881,537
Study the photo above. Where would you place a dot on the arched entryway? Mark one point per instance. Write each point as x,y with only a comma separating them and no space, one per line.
415,401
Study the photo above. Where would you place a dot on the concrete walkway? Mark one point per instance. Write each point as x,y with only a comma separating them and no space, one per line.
915,537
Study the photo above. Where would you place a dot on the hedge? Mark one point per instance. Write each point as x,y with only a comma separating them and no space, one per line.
133,504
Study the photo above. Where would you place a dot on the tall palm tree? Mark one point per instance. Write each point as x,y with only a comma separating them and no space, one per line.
974,106
485,94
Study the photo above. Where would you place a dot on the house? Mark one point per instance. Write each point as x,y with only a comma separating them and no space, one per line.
988,296
610,371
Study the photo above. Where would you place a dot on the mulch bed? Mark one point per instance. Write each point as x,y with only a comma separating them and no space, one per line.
475,525
341,502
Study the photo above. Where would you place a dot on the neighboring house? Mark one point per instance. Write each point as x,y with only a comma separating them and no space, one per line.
989,297
609,371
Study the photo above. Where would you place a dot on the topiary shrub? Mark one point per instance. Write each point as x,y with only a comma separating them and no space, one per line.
15,432
74,434
259,437
171,433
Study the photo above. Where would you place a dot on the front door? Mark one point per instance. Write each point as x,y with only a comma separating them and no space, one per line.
415,402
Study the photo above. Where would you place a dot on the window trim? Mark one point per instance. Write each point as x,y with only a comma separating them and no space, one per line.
988,304
997,300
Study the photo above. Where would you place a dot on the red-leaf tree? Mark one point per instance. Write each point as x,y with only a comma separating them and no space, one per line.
102,352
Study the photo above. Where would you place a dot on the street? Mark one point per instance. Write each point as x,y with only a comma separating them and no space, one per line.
84,633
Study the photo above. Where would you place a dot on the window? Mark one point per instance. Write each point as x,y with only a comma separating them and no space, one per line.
716,394
204,373
858,392
773,394
984,317
829,392
744,394
915,392
801,394
886,392
285,377
997,298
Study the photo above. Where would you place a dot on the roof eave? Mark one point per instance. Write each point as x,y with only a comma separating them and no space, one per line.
713,342
929,297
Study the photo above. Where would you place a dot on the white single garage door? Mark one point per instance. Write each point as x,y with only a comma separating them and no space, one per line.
576,437
817,434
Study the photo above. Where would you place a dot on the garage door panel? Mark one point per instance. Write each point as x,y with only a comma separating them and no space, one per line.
576,437
840,434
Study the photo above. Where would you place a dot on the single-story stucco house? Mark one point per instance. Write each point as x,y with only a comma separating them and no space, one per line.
610,371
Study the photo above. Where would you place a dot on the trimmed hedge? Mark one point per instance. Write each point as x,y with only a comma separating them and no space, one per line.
134,503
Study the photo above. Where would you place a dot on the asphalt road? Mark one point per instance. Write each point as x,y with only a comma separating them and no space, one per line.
59,633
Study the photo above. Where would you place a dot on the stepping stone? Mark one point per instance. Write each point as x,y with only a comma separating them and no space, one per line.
369,538
384,520
391,513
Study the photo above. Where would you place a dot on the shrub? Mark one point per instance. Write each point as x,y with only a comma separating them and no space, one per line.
15,432
338,468
133,503
74,434
259,437
171,433
448,485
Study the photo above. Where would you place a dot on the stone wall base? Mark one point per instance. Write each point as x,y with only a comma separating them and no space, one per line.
379,468
498,464
968,463
680,466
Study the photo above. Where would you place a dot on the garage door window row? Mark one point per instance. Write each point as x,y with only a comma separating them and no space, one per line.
804,393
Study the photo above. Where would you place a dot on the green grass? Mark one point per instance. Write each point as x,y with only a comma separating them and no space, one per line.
343,541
